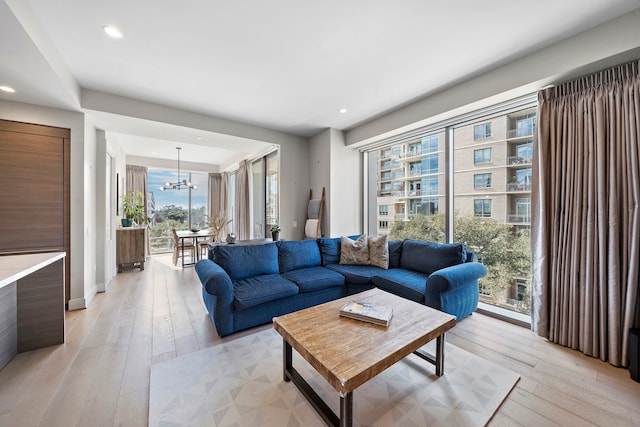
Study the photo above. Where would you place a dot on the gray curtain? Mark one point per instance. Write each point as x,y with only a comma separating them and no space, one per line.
243,201
137,181
218,198
586,218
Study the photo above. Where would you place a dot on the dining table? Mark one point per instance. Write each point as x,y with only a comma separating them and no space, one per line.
196,235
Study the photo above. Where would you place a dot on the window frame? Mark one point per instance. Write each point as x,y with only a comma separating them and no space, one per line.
484,159
485,116
478,176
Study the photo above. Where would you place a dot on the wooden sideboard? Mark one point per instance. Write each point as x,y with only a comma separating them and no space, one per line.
130,247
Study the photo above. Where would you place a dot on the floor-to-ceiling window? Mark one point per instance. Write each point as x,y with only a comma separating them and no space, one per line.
266,184
492,201
466,180
182,209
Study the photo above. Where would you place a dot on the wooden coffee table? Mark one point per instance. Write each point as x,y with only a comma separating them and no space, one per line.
348,353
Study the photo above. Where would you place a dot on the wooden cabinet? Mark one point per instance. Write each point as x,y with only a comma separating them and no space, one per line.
35,189
130,247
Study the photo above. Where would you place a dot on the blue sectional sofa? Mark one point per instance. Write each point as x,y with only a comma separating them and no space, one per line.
246,286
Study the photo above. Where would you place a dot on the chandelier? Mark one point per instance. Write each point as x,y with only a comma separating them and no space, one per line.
180,183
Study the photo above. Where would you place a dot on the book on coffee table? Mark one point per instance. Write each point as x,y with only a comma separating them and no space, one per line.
367,312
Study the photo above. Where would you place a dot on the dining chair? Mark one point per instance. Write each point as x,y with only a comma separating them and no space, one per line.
203,248
180,246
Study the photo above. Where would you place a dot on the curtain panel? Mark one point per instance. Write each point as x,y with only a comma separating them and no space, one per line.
243,201
586,218
218,198
137,181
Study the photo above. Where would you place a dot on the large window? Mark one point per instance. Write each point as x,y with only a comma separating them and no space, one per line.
180,209
265,195
480,197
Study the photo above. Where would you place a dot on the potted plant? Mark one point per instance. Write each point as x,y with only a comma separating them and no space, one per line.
133,209
275,232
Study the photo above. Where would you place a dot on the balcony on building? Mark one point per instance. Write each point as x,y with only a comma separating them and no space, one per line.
518,160
409,154
519,219
519,187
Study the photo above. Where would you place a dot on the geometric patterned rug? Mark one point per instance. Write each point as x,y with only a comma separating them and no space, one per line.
239,383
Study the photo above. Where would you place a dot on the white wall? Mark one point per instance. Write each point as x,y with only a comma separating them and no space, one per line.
337,167
90,219
320,174
346,186
102,270
294,188
75,122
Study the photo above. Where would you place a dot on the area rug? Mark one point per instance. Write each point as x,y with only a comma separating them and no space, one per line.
239,383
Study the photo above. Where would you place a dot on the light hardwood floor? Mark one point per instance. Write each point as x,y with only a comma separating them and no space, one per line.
100,376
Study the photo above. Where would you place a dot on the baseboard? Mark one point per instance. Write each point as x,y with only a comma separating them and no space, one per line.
77,304
102,287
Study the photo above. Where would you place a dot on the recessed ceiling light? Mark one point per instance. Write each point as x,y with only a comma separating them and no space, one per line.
112,31
343,111
7,89
199,138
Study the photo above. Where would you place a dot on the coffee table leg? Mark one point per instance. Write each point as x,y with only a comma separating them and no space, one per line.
346,409
287,360
438,359
440,355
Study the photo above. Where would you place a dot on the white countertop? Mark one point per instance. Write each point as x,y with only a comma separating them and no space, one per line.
15,267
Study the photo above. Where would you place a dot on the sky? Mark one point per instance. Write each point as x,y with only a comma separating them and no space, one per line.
157,178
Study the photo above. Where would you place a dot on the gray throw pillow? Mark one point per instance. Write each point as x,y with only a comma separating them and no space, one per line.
354,252
379,251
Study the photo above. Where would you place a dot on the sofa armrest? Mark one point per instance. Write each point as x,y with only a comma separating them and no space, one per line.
450,278
454,289
215,281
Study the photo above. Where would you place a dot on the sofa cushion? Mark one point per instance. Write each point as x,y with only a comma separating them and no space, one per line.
241,262
395,250
354,252
314,278
257,290
357,274
296,254
378,251
405,283
329,250
427,257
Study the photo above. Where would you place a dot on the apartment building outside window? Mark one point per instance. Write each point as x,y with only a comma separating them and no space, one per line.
383,210
488,178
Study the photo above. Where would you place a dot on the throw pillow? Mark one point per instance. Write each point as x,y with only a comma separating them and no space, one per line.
354,252
379,251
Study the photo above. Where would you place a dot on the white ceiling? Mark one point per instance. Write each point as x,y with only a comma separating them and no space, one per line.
288,65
